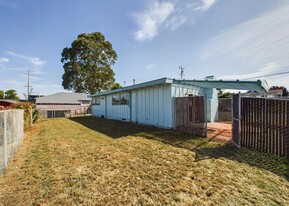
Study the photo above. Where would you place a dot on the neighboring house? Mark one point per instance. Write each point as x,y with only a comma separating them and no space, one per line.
275,93
6,102
63,104
152,103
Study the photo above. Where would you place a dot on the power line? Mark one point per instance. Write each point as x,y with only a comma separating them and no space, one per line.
268,75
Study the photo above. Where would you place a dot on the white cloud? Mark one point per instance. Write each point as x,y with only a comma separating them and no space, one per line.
13,82
207,4
12,69
168,15
35,61
261,38
4,59
34,64
266,74
268,69
31,77
175,22
46,89
150,66
259,43
150,20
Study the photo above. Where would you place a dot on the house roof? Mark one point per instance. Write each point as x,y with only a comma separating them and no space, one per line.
11,101
63,98
219,84
136,86
257,85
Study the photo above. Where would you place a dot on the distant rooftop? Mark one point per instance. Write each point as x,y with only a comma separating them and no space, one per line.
9,101
63,98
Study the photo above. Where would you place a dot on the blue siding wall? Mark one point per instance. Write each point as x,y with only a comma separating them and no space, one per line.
212,104
119,112
98,110
152,106
185,90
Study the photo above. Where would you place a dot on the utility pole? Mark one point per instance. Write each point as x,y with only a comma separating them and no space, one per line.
28,86
133,81
182,71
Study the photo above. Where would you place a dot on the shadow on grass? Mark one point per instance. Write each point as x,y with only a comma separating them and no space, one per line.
113,128
205,148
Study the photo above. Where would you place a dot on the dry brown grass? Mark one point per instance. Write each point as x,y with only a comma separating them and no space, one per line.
91,161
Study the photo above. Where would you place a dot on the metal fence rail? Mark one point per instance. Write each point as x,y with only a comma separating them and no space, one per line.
11,134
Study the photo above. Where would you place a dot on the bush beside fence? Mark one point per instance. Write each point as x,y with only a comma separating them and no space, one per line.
11,134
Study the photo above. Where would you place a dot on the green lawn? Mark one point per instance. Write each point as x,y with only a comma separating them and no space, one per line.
93,161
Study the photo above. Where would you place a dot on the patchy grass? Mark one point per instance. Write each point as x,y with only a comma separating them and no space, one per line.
92,161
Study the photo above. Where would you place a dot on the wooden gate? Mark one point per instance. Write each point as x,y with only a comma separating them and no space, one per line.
190,115
261,124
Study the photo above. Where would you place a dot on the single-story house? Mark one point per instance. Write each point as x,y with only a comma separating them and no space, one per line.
152,103
63,104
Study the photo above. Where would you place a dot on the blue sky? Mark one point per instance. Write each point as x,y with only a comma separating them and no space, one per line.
237,39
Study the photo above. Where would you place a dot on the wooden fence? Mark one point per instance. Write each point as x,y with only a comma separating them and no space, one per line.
190,115
265,125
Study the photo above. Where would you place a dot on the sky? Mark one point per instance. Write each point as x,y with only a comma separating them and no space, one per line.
240,39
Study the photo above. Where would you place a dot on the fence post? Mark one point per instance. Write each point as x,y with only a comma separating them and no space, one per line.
31,117
240,119
205,111
5,139
266,126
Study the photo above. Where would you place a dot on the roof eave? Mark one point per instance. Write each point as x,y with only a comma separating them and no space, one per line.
226,84
133,87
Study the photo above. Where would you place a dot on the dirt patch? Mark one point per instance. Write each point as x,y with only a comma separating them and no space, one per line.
220,130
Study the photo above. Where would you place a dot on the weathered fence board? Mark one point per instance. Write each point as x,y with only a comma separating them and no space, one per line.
190,115
264,125
11,134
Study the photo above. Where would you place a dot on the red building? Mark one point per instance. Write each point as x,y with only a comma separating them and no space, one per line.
6,102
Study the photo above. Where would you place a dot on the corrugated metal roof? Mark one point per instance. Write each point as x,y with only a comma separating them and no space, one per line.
219,84
62,98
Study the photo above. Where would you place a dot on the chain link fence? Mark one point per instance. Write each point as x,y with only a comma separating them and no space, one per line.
11,134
